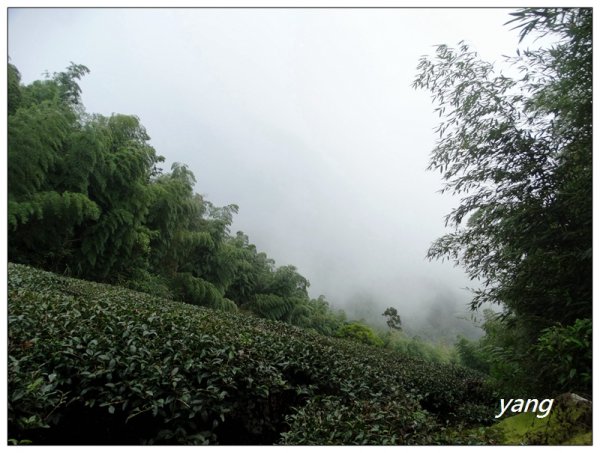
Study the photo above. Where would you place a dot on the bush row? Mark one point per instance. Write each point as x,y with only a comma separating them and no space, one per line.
98,364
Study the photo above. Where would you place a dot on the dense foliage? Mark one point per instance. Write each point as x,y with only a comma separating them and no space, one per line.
91,363
359,332
519,151
86,198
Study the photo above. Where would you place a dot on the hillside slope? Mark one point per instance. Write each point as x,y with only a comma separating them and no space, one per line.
98,364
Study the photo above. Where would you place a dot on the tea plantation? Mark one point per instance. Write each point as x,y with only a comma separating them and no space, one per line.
97,364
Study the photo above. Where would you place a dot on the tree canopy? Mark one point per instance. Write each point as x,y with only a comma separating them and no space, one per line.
87,197
518,150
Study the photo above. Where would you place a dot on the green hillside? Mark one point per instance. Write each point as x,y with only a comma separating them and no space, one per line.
93,363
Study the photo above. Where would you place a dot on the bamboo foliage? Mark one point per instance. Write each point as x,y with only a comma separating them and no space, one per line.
87,197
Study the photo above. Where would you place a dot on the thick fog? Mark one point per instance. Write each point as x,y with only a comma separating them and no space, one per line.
305,118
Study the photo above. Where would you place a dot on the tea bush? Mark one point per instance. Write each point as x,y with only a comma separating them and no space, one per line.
97,364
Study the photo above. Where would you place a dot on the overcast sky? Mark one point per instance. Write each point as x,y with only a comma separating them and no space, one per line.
305,118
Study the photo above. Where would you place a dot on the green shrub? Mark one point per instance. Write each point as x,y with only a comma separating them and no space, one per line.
472,355
417,348
565,356
98,364
146,282
336,421
359,332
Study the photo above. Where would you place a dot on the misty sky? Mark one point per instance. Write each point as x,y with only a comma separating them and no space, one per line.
305,118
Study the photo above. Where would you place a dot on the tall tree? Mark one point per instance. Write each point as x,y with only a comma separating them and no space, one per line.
78,184
86,197
13,80
120,185
43,117
519,151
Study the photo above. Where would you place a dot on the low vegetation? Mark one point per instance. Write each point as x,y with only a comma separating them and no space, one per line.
92,363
